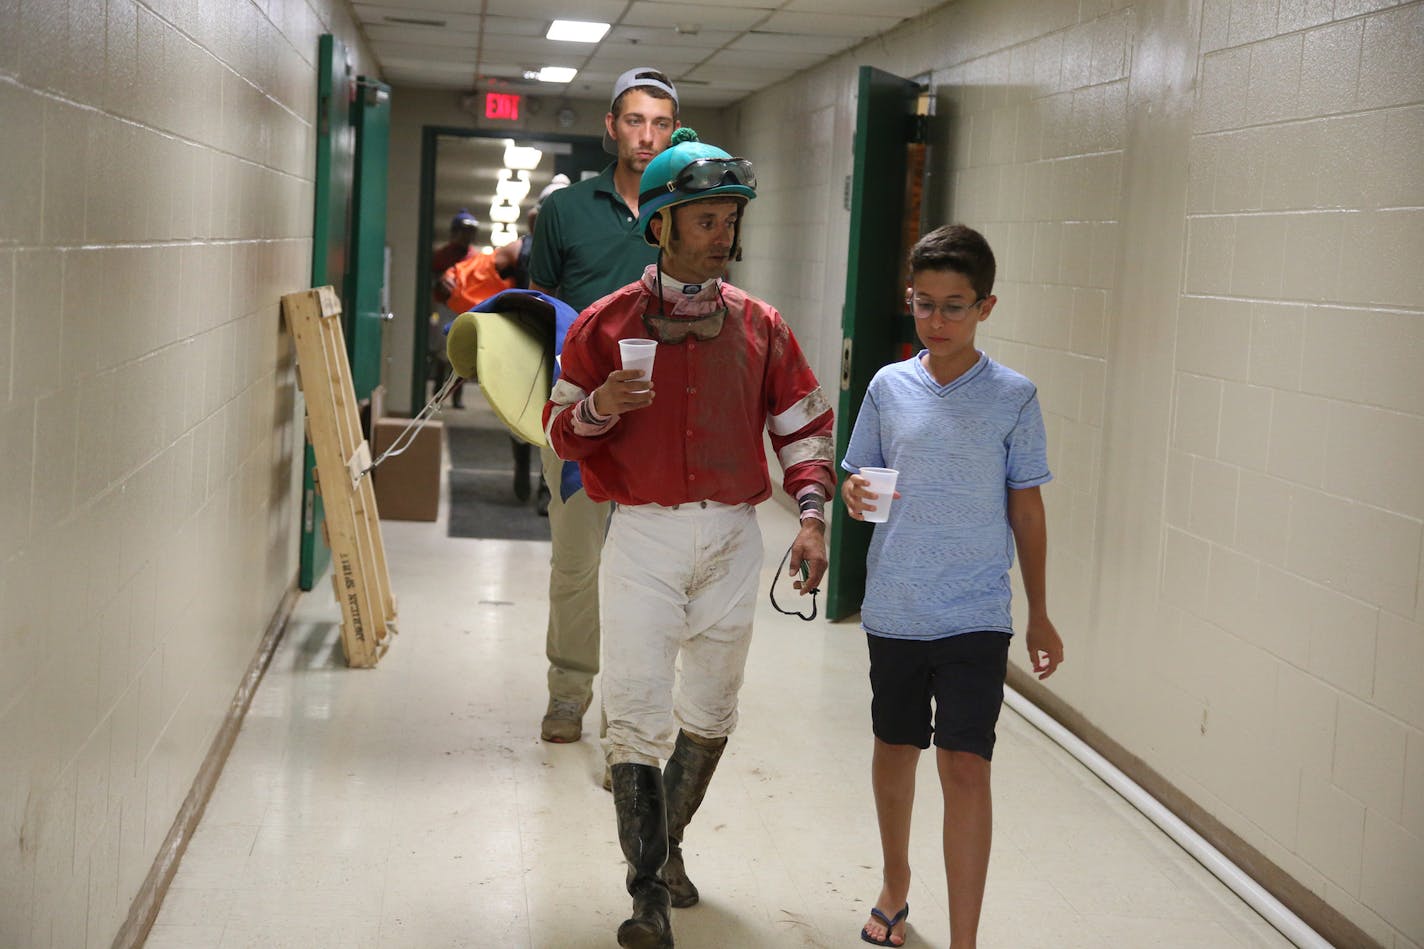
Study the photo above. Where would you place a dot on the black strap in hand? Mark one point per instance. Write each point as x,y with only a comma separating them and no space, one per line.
777,606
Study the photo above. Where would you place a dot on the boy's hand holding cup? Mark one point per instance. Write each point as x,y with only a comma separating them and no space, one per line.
868,494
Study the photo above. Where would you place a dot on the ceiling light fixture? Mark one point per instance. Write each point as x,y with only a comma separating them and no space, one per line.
502,212
556,74
512,186
576,31
521,157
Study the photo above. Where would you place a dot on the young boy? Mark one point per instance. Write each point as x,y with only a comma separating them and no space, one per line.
966,436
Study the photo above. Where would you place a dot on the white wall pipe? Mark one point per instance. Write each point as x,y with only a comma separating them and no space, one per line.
1271,909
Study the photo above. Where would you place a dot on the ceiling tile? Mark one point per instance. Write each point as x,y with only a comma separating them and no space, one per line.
765,6
613,63
538,50
900,8
645,13
428,7
370,13
759,59
419,36
603,11
444,72
818,24
653,39
515,26
414,52
742,78
775,42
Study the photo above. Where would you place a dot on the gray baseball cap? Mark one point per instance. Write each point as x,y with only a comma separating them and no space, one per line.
632,79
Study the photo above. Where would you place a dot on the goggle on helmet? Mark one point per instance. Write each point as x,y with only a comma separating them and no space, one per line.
689,170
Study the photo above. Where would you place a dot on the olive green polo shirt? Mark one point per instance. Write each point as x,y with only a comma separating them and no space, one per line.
587,243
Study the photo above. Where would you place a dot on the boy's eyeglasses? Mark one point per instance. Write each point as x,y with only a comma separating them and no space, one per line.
954,312
706,174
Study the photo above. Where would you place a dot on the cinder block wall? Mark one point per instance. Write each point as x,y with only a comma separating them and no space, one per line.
156,202
1209,226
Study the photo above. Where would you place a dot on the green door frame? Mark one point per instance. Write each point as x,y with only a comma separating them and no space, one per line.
886,123
330,232
365,279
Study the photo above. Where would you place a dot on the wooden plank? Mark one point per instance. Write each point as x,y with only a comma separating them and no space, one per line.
360,578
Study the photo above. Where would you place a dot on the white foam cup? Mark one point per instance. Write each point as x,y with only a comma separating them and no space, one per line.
882,483
638,354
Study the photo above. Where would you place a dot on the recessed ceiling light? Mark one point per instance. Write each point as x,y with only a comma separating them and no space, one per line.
576,31
556,74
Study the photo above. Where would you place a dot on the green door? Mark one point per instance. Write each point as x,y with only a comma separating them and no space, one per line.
335,156
872,321
365,281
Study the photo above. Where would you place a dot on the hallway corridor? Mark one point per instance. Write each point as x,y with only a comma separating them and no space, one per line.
414,805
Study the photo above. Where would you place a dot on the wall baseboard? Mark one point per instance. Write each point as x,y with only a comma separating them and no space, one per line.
1329,922
146,903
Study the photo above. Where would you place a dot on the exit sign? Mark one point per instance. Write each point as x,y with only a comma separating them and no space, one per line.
502,105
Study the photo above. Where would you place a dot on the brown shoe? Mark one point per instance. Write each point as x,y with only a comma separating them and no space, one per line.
563,722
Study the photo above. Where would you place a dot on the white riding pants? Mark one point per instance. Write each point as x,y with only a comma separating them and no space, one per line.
677,592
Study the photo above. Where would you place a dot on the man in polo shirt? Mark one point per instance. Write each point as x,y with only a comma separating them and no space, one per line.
587,244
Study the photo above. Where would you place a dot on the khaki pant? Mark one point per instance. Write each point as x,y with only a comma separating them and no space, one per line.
679,593
578,526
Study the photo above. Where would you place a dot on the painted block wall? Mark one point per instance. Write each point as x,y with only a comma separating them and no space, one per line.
155,205
1209,220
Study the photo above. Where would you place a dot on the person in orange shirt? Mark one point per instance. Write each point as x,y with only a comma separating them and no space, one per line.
478,277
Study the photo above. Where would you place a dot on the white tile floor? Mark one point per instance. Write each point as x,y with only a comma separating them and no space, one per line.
414,806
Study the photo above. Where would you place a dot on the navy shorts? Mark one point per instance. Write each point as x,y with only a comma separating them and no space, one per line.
963,674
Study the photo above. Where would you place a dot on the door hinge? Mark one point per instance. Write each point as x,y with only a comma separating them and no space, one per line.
845,364
845,194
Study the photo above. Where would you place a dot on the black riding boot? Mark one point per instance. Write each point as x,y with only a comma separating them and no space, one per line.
642,831
685,780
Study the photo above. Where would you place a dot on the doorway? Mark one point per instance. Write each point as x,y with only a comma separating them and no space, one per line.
461,169
888,213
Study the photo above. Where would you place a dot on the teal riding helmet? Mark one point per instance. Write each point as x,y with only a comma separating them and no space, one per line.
689,170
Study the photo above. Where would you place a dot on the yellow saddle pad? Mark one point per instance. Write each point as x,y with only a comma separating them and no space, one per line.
511,356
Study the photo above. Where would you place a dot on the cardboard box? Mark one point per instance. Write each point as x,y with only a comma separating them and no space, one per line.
408,485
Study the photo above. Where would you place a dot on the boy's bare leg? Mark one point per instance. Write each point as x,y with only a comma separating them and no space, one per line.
968,831
892,777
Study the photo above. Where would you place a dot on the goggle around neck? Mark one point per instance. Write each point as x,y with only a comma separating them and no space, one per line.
673,329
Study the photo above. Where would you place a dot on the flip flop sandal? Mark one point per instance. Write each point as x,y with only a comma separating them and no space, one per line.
890,924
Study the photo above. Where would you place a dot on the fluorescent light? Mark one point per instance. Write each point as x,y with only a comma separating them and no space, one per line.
512,189
576,31
556,74
503,212
520,157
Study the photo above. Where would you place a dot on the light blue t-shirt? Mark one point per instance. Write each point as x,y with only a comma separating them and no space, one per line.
940,565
